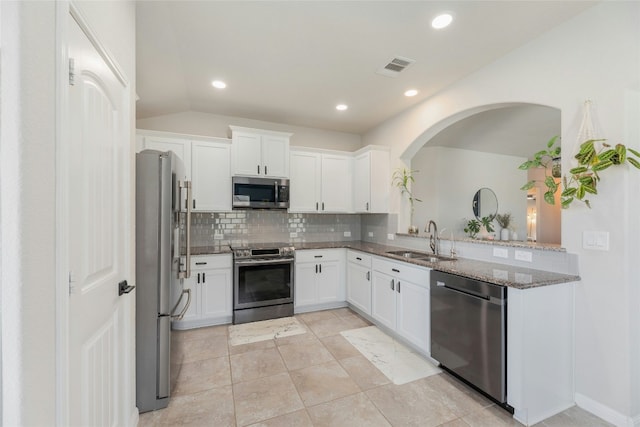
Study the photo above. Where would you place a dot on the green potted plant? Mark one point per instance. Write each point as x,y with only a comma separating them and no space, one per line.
504,221
582,179
403,178
473,226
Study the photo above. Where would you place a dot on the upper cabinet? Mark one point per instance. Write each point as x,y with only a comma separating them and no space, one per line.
260,153
320,182
207,163
371,181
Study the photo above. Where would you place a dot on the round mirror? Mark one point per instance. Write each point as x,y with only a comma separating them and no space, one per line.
485,203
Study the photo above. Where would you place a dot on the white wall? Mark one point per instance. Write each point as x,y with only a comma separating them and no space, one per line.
449,178
595,55
196,123
28,193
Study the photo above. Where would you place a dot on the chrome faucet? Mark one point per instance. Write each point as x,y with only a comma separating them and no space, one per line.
433,237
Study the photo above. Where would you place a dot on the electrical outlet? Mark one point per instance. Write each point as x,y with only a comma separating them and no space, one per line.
347,234
501,252
293,235
391,236
371,234
595,240
524,256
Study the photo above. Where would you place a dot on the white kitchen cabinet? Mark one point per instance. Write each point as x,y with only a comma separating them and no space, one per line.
211,292
359,281
400,300
320,182
319,279
260,153
211,175
180,145
371,181
207,163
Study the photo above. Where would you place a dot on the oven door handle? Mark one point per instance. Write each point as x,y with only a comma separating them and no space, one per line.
264,261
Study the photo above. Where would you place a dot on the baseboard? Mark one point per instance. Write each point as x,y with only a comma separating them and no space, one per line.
200,323
606,413
319,307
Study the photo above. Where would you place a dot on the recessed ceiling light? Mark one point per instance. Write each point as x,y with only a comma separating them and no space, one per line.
341,107
218,84
441,21
411,92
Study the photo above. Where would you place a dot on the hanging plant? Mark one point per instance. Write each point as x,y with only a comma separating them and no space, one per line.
583,179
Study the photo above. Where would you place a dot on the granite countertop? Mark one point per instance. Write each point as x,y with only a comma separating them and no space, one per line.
499,274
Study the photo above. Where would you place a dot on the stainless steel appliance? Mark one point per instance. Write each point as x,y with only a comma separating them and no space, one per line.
263,282
260,193
159,185
468,331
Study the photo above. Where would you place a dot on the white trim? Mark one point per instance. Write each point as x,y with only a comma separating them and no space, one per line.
95,41
606,413
62,214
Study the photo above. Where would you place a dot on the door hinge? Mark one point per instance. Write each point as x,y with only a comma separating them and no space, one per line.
72,72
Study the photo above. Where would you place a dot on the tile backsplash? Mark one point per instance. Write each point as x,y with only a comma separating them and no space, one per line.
258,226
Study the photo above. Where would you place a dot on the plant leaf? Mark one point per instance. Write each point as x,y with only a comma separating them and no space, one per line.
566,202
568,192
607,155
602,165
578,170
634,152
634,162
580,192
586,202
529,185
552,141
622,152
549,197
551,184
590,189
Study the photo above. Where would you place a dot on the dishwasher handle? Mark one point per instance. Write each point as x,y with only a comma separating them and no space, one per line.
484,297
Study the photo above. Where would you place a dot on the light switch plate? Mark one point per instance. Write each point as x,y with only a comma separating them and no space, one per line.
595,240
218,236
347,234
523,256
391,236
501,252
371,234
293,235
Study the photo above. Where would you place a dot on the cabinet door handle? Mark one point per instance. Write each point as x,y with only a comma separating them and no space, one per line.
201,263
322,205
358,258
198,281
317,256
368,275
203,280
265,170
393,287
258,169
396,270
316,268
320,265
367,206
398,286
316,205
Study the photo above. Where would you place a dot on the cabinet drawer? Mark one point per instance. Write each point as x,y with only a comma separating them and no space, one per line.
359,258
319,255
201,262
402,271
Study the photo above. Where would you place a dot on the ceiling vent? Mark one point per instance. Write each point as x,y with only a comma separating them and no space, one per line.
395,66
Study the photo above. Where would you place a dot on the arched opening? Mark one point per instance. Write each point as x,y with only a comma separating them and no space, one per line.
482,148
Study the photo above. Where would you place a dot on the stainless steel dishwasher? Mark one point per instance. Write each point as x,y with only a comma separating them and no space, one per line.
469,330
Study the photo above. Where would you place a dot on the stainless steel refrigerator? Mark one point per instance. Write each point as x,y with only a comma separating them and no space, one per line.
160,203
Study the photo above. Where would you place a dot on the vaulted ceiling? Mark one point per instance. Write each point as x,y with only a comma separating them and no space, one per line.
292,62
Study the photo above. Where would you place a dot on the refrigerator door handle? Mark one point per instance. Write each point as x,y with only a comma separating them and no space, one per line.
186,306
187,264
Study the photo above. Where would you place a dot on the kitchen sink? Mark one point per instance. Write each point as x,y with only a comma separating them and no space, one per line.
421,256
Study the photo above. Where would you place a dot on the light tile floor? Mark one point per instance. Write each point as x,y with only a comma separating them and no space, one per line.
315,379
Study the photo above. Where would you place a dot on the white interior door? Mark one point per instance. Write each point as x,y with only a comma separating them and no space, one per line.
99,200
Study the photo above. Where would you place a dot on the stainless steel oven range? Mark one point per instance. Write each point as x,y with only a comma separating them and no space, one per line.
262,282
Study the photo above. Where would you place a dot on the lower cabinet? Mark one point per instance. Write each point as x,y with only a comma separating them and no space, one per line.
319,279
359,281
211,292
400,300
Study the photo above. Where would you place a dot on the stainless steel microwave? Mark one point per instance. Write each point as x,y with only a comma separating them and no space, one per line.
260,193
